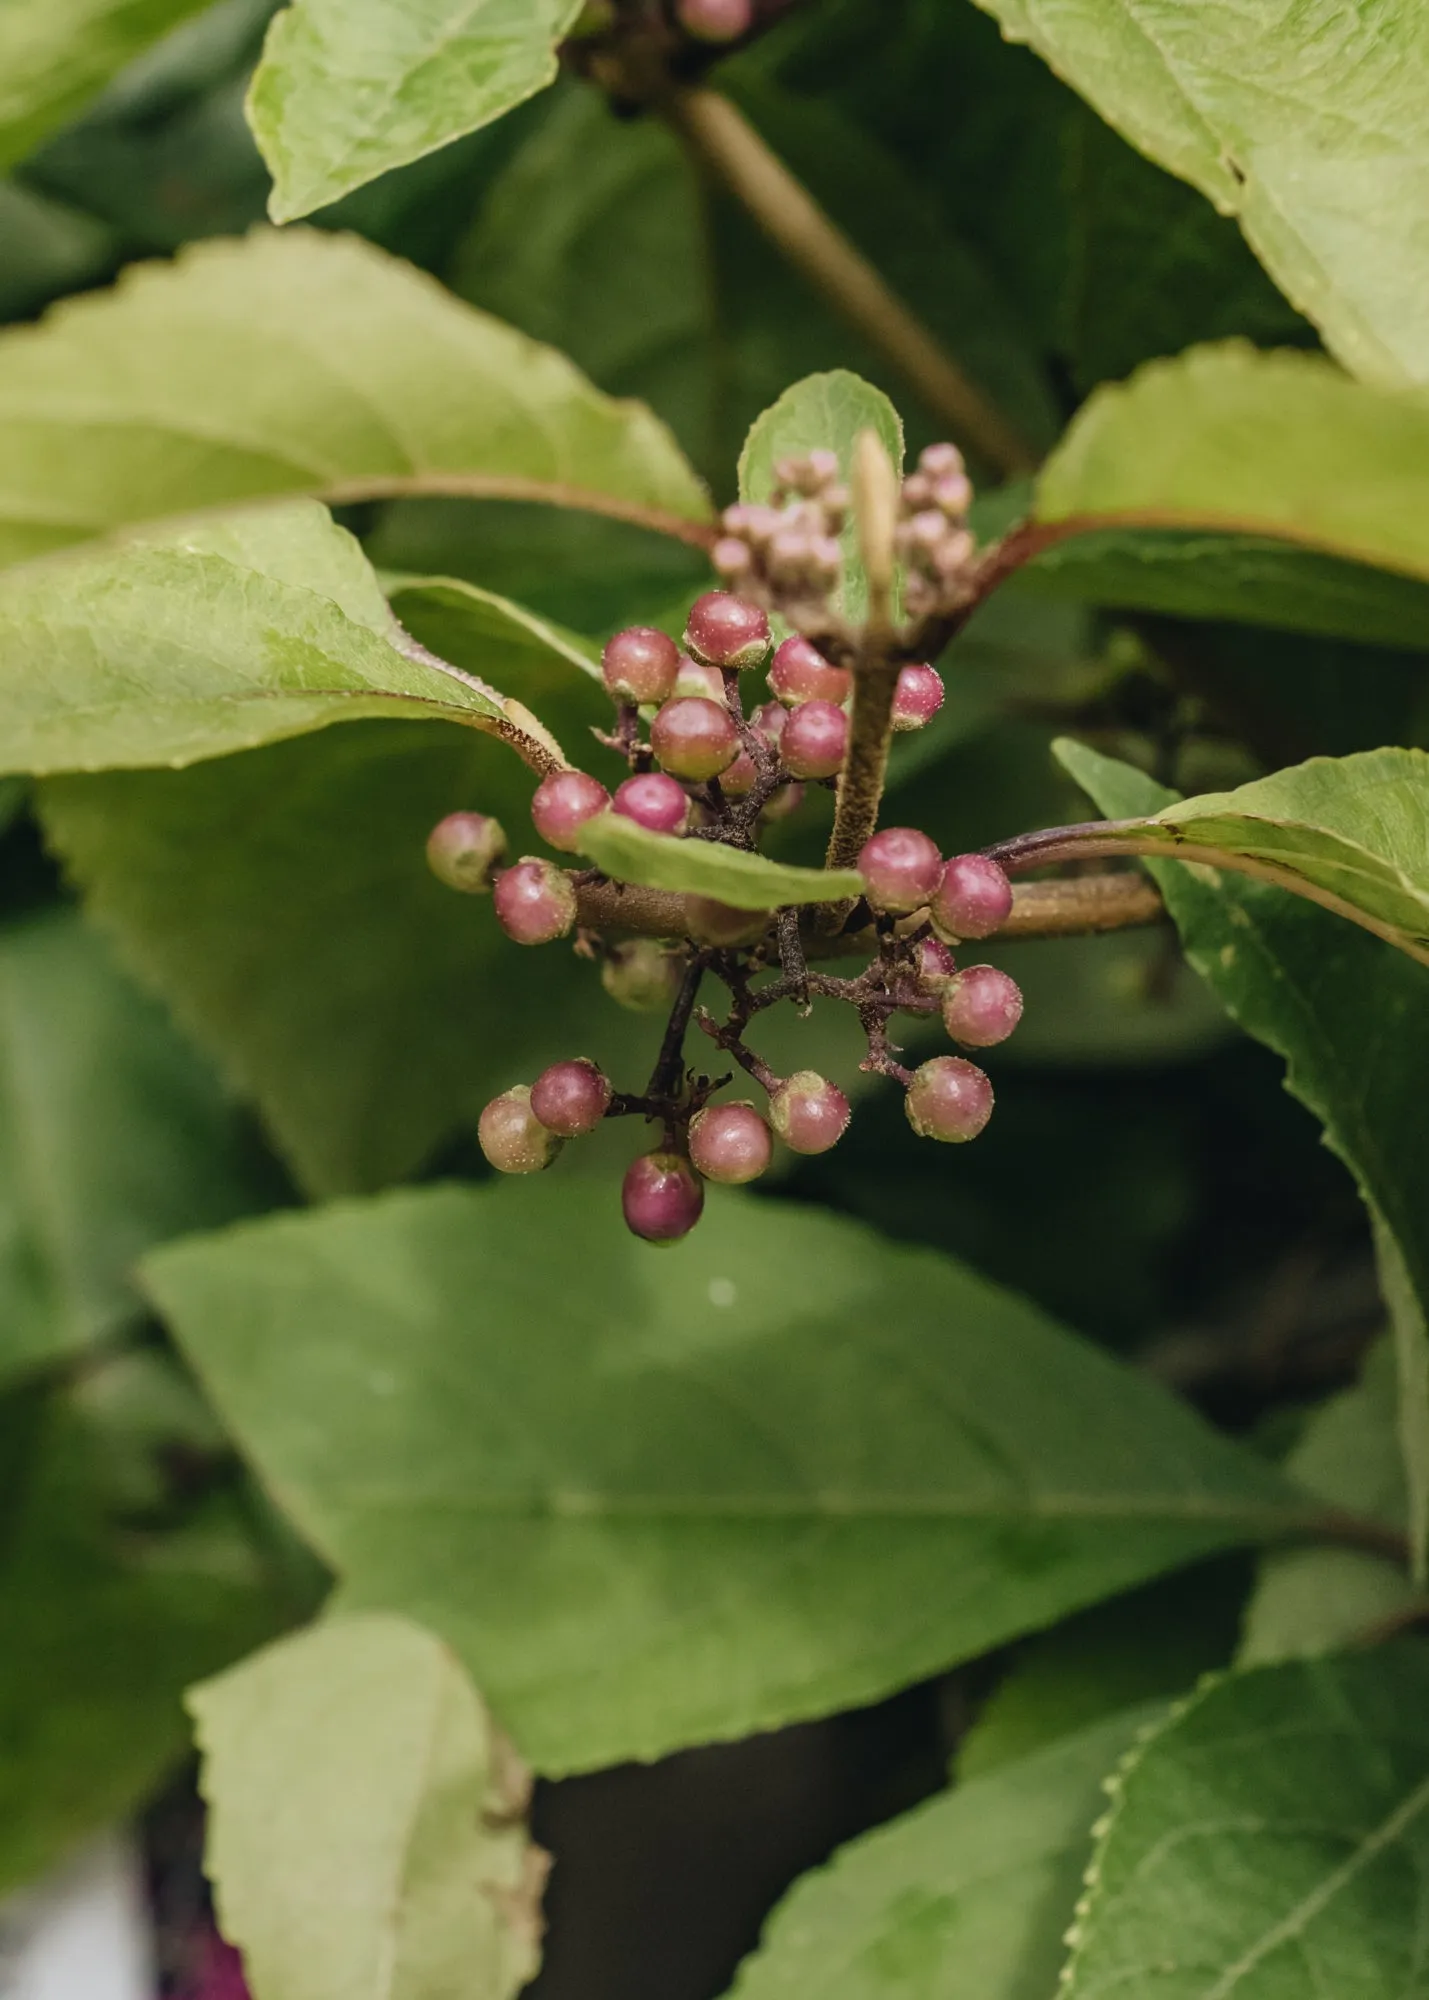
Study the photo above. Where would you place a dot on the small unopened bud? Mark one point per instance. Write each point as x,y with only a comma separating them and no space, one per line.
564,801
535,902
640,664
939,460
948,1099
974,899
953,495
981,1007
653,801
727,631
661,1197
694,738
809,1113
730,1143
642,975
513,1137
917,697
732,558
799,672
463,851
934,965
814,741
715,20
717,923
571,1098
901,869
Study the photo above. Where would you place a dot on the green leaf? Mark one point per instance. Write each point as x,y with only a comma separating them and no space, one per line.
366,1836
654,1500
1225,476
469,627
1352,1022
47,248
825,412
630,853
1302,127
216,379
1269,1840
968,1897
114,1136
350,88
1312,1599
56,54
1351,833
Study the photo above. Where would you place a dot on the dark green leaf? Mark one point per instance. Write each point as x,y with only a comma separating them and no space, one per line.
55,54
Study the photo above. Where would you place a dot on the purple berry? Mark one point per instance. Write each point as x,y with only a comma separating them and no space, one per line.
948,1099
535,902
730,1143
513,1137
934,964
717,923
571,1098
695,677
974,899
661,1197
981,1007
814,740
463,850
694,738
799,672
642,975
901,869
726,631
917,697
809,1113
715,20
653,801
640,664
564,801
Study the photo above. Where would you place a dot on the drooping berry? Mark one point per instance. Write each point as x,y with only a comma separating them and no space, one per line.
513,1137
463,851
727,631
640,664
715,20
935,965
730,1143
981,1007
694,738
814,740
571,1098
799,672
642,975
901,869
653,801
564,801
661,1197
948,1099
711,922
809,1113
695,677
974,899
535,902
917,697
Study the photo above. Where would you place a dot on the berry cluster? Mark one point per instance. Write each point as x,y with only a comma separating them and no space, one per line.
701,768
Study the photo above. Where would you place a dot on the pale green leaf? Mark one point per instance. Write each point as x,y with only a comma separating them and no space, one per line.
302,362
1351,1020
113,1137
1269,1841
966,1898
366,1837
56,54
1310,127
1310,1600
631,853
827,413
655,1499
350,88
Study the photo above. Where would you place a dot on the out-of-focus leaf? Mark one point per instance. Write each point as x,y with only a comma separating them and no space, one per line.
55,54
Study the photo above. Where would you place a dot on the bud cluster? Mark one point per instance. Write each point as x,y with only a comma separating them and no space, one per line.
933,538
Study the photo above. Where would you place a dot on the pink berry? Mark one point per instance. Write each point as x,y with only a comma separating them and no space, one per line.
513,1137
901,869
716,20
974,898
779,805
535,902
694,738
642,975
809,1113
935,965
717,923
981,1007
640,664
799,672
769,721
653,801
661,1197
948,1099
463,850
695,677
726,631
571,1098
730,1143
814,740
564,801
741,777
917,697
